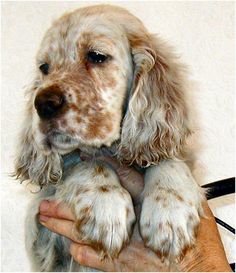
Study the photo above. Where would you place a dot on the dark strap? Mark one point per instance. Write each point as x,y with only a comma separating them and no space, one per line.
220,188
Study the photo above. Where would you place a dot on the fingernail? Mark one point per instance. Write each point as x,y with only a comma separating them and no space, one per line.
44,206
43,218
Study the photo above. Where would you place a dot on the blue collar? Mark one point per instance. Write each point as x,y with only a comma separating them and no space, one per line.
70,160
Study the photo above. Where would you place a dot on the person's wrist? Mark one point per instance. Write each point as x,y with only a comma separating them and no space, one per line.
205,266
205,260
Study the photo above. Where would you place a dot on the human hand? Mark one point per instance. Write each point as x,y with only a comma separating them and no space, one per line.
207,255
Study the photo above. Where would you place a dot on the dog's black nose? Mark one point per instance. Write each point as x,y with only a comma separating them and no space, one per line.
49,102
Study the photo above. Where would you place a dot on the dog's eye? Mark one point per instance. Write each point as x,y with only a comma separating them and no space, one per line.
44,68
96,57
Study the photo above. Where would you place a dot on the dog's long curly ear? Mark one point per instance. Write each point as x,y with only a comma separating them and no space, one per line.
31,163
156,123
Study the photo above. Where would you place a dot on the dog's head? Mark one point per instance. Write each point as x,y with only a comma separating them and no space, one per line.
92,65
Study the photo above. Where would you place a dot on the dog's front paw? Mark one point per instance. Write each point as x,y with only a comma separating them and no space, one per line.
169,224
105,217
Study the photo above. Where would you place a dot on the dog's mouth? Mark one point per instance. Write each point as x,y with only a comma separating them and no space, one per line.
64,143
61,142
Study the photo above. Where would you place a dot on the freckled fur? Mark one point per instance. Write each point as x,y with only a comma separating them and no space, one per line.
152,132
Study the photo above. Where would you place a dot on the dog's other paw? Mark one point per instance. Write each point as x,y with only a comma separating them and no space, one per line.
104,218
169,224
104,213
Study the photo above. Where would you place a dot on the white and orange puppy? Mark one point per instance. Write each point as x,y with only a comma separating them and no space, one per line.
105,85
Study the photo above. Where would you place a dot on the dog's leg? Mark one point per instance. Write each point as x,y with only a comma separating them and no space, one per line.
103,209
104,213
171,209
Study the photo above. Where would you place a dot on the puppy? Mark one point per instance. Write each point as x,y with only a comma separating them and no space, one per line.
105,85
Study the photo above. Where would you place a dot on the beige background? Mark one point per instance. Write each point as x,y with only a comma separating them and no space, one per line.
203,35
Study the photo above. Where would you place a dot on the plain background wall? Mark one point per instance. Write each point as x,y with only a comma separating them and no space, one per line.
203,35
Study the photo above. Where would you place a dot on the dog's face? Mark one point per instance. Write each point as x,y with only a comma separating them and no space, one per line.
92,63
84,73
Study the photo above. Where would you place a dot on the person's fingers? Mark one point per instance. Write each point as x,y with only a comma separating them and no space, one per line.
130,178
111,161
134,257
87,256
56,210
63,227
